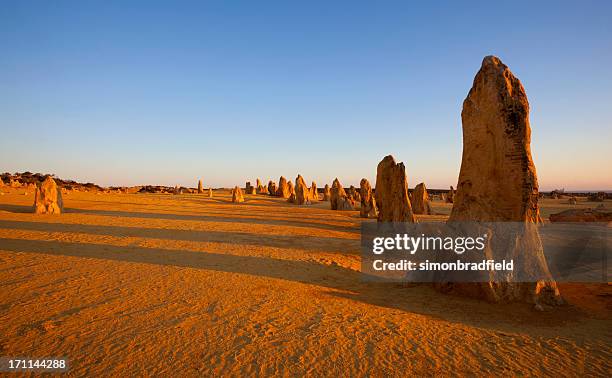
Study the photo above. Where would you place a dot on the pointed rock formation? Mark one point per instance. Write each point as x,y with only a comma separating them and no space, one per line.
302,193
339,200
210,193
283,188
392,192
261,189
291,190
48,198
420,200
237,196
368,203
326,193
314,194
498,183
200,190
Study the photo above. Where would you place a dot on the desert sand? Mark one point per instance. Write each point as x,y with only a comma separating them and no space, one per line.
185,285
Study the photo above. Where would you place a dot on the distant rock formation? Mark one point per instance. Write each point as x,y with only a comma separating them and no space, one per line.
261,189
420,200
368,203
572,200
283,188
210,193
302,193
326,193
392,192
339,200
237,196
314,194
291,189
48,198
200,190
272,189
450,196
498,183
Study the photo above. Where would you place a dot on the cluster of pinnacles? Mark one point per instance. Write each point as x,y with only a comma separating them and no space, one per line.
497,183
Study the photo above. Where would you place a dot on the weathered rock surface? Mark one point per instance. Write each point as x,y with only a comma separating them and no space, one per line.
302,193
48,198
498,183
368,203
291,190
326,193
272,188
392,192
210,193
337,195
314,193
283,188
200,190
420,200
237,196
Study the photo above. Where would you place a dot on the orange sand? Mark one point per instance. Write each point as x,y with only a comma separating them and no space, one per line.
131,284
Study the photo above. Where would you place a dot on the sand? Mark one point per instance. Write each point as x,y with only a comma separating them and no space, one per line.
144,284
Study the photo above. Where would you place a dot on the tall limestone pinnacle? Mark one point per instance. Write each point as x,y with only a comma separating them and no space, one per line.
497,181
498,186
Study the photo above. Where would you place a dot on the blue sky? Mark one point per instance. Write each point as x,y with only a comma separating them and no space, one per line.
126,93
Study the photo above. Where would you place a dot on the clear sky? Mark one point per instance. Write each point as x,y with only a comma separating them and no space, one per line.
127,93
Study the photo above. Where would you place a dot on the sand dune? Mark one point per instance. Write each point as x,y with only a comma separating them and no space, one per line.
186,285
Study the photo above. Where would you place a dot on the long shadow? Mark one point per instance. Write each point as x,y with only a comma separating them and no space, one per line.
326,244
417,299
16,208
208,218
191,217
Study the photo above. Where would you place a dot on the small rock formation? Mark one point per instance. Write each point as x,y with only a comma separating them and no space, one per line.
314,194
572,200
48,198
302,193
261,189
210,193
326,193
420,200
392,192
237,196
337,195
200,190
250,189
292,197
283,188
450,196
582,215
368,203
498,183
346,203
272,188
